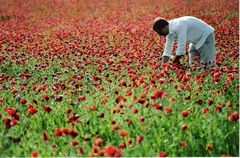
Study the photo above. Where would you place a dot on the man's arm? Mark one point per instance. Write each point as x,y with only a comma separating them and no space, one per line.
176,60
165,59
168,49
182,40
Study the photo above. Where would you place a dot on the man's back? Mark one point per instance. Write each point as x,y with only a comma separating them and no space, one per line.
192,23
186,29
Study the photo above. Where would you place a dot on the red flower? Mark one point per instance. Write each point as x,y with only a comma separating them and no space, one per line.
59,98
112,151
123,133
47,108
183,144
13,91
128,92
233,117
73,133
74,142
45,98
68,111
58,132
7,122
158,106
122,145
134,110
141,119
184,113
168,109
162,154
35,153
81,98
139,139
120,98
115,128
196,57
45,136
184,127
44,87
113,122
158,94
10,111
86,138
123,83
81,151
73,117
129,141
1,58
32,110
23,101
1,100
13,122
161,80
104,100
98,142
141,100
204,110
187,97
209,147
199,101
210,102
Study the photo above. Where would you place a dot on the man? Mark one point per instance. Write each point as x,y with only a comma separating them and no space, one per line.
190,29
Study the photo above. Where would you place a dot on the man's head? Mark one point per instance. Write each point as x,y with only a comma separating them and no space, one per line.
160,26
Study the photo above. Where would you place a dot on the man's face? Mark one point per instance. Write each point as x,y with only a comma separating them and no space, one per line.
163,32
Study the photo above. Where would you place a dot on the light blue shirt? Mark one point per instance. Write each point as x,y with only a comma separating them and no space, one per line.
186,29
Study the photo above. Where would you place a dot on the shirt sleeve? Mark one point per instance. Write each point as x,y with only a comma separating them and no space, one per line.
182,40
168,46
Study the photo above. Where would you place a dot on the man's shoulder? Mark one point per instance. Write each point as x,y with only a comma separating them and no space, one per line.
182,20
176,24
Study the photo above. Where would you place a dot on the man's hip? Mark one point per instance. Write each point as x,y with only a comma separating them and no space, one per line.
205,56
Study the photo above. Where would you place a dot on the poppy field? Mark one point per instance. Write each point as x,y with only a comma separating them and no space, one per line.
84,78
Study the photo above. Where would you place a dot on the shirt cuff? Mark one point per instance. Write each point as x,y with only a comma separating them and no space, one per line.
166,54
179,53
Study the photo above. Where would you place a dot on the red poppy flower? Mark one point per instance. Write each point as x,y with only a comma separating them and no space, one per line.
123,133
134,110
162,154
58,132
23,101
98,142
112,151
35,154
115,128
157,106
233,117
184,113
122,145
45,136
158,94
139,139
47,108
184,127
32,110
120,98
168,109
74,142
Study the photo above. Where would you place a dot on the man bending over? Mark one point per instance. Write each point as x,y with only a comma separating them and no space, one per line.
189,29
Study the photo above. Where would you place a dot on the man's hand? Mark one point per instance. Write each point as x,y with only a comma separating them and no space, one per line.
176,60
165,59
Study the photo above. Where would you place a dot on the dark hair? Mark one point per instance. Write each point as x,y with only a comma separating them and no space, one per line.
159,23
